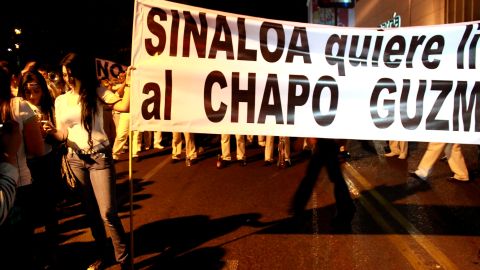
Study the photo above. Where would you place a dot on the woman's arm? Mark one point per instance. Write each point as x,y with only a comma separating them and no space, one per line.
58,131
124,104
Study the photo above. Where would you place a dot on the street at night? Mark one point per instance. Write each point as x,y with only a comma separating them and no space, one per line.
201,217
382,95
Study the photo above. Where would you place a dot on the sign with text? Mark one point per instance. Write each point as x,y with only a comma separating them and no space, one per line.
107,69
206,71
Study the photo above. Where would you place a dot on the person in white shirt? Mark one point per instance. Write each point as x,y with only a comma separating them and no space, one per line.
79,122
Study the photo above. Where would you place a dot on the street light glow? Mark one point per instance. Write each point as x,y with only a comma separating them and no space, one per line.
18,31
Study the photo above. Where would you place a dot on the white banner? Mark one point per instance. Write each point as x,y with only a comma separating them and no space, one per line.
205,71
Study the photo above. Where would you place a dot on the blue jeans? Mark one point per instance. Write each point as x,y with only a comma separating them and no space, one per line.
96,174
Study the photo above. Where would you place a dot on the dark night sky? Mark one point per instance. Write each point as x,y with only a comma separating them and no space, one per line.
104,27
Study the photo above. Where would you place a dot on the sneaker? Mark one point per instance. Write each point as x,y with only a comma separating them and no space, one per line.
222,163
243,162
402,156
414,175
455,180
391,154
268,163
97,265
158,146
189,162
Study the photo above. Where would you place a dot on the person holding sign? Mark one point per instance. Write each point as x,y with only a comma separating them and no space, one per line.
79,122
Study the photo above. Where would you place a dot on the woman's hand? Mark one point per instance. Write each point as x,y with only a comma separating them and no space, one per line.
128,74
48,127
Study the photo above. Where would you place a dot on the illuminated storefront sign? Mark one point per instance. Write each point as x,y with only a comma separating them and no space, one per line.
395,21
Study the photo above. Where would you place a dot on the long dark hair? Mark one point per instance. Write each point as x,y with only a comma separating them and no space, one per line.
46,101
82,68
5,93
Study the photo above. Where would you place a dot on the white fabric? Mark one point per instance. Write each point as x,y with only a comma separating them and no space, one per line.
68,115
295,72
22,113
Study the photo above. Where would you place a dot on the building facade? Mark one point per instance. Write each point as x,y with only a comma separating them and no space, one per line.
372,13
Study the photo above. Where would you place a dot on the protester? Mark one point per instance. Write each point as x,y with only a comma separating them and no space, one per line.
47,186
79,122
19,231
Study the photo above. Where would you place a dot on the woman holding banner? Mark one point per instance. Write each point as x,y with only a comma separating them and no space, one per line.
79,122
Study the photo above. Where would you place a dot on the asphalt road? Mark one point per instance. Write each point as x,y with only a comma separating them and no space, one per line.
201,217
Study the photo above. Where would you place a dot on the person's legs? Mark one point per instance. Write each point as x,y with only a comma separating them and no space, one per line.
394,149
102,174
456,161
190,148
240,147
89,202
176,145
157,140
225,144
429,158
261,140
269,144
403,148
136,143
122,134
287,150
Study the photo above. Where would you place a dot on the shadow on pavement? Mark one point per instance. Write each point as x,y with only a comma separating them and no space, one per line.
176,241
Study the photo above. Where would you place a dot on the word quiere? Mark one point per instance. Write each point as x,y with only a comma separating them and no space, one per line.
464,107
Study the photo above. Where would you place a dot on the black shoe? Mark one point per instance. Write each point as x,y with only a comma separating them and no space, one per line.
415,176
222,163
288,163
455,180
175,160
268,163
243,162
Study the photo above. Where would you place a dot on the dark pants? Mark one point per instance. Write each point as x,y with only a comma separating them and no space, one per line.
325,155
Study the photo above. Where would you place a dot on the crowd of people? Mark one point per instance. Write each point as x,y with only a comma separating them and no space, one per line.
46,114
57,116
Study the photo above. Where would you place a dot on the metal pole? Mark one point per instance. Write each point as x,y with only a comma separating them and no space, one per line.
130,190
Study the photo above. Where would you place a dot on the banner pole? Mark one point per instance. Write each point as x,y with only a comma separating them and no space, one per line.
130,191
